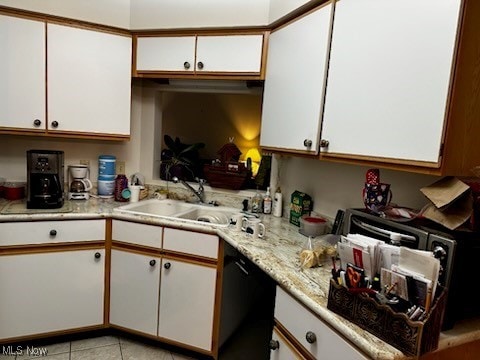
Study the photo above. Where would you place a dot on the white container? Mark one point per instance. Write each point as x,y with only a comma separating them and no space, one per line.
135,192
311,225
277,204
106,188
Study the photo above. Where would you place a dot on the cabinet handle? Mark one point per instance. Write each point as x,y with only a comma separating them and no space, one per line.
200,65
37,122
273,344
307,143
97,255
152,262
186,65
310,337
167,265
324,143
53,232
54,124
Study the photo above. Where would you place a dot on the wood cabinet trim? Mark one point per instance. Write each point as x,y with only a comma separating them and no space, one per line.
49,248
19,339
32,15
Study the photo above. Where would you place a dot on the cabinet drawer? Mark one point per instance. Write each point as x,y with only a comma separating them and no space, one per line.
191,242
299,321
138,234
44,232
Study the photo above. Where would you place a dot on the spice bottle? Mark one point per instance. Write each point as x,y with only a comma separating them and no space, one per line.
257,202
267,202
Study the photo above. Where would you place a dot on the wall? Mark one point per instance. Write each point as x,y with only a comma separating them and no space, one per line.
165,14
109,12
279,8
339,186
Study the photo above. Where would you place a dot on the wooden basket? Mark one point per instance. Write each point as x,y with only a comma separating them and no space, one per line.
413,338
226,176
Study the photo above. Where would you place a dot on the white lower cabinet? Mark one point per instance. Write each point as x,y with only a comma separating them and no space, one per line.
187,300
53,291
134,287
311,333
168,292
282,349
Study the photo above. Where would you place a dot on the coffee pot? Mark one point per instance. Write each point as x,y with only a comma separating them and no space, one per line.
80,184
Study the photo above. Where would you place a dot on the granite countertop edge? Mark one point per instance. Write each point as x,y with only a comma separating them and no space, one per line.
276,255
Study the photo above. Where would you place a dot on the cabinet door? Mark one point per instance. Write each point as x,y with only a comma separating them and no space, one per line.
51,292
187,299
282,349
22,73
294,83
233,53
311,332
89,81
134,287
389,77
166,53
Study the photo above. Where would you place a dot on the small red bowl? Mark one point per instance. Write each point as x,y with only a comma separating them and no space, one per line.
13,191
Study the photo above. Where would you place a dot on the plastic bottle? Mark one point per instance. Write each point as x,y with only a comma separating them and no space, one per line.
267,202
277,203
257,202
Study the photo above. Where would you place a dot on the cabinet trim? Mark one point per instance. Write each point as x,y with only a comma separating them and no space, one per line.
289,341
50,334
49,248
32,15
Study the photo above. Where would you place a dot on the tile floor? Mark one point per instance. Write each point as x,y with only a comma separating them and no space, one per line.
98,348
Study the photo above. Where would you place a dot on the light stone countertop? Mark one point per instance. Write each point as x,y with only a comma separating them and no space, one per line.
277,254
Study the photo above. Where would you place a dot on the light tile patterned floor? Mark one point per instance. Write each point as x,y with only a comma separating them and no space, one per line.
98,348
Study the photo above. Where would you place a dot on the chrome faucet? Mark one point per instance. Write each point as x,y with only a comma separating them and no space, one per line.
198,193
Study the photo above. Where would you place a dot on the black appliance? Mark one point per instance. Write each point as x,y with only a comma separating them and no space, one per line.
45,179
457,251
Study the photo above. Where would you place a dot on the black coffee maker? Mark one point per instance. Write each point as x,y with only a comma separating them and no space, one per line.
45,179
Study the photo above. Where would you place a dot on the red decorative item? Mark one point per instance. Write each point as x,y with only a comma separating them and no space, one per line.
373,176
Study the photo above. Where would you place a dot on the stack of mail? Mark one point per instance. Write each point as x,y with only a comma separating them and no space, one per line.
361,251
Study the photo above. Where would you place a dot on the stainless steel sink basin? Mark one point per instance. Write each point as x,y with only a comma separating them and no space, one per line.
173,209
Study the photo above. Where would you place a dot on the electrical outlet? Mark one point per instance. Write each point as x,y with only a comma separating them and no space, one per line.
84,162
120,168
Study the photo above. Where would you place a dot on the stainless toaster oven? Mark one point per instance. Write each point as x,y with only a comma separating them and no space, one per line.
456,250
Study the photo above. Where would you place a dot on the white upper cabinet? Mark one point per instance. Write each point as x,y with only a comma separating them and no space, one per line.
389,79
295,82
22,73
89,81
196,55
235,53
166,53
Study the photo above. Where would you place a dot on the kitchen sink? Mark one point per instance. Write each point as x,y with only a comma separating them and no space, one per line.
154,207
218,216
